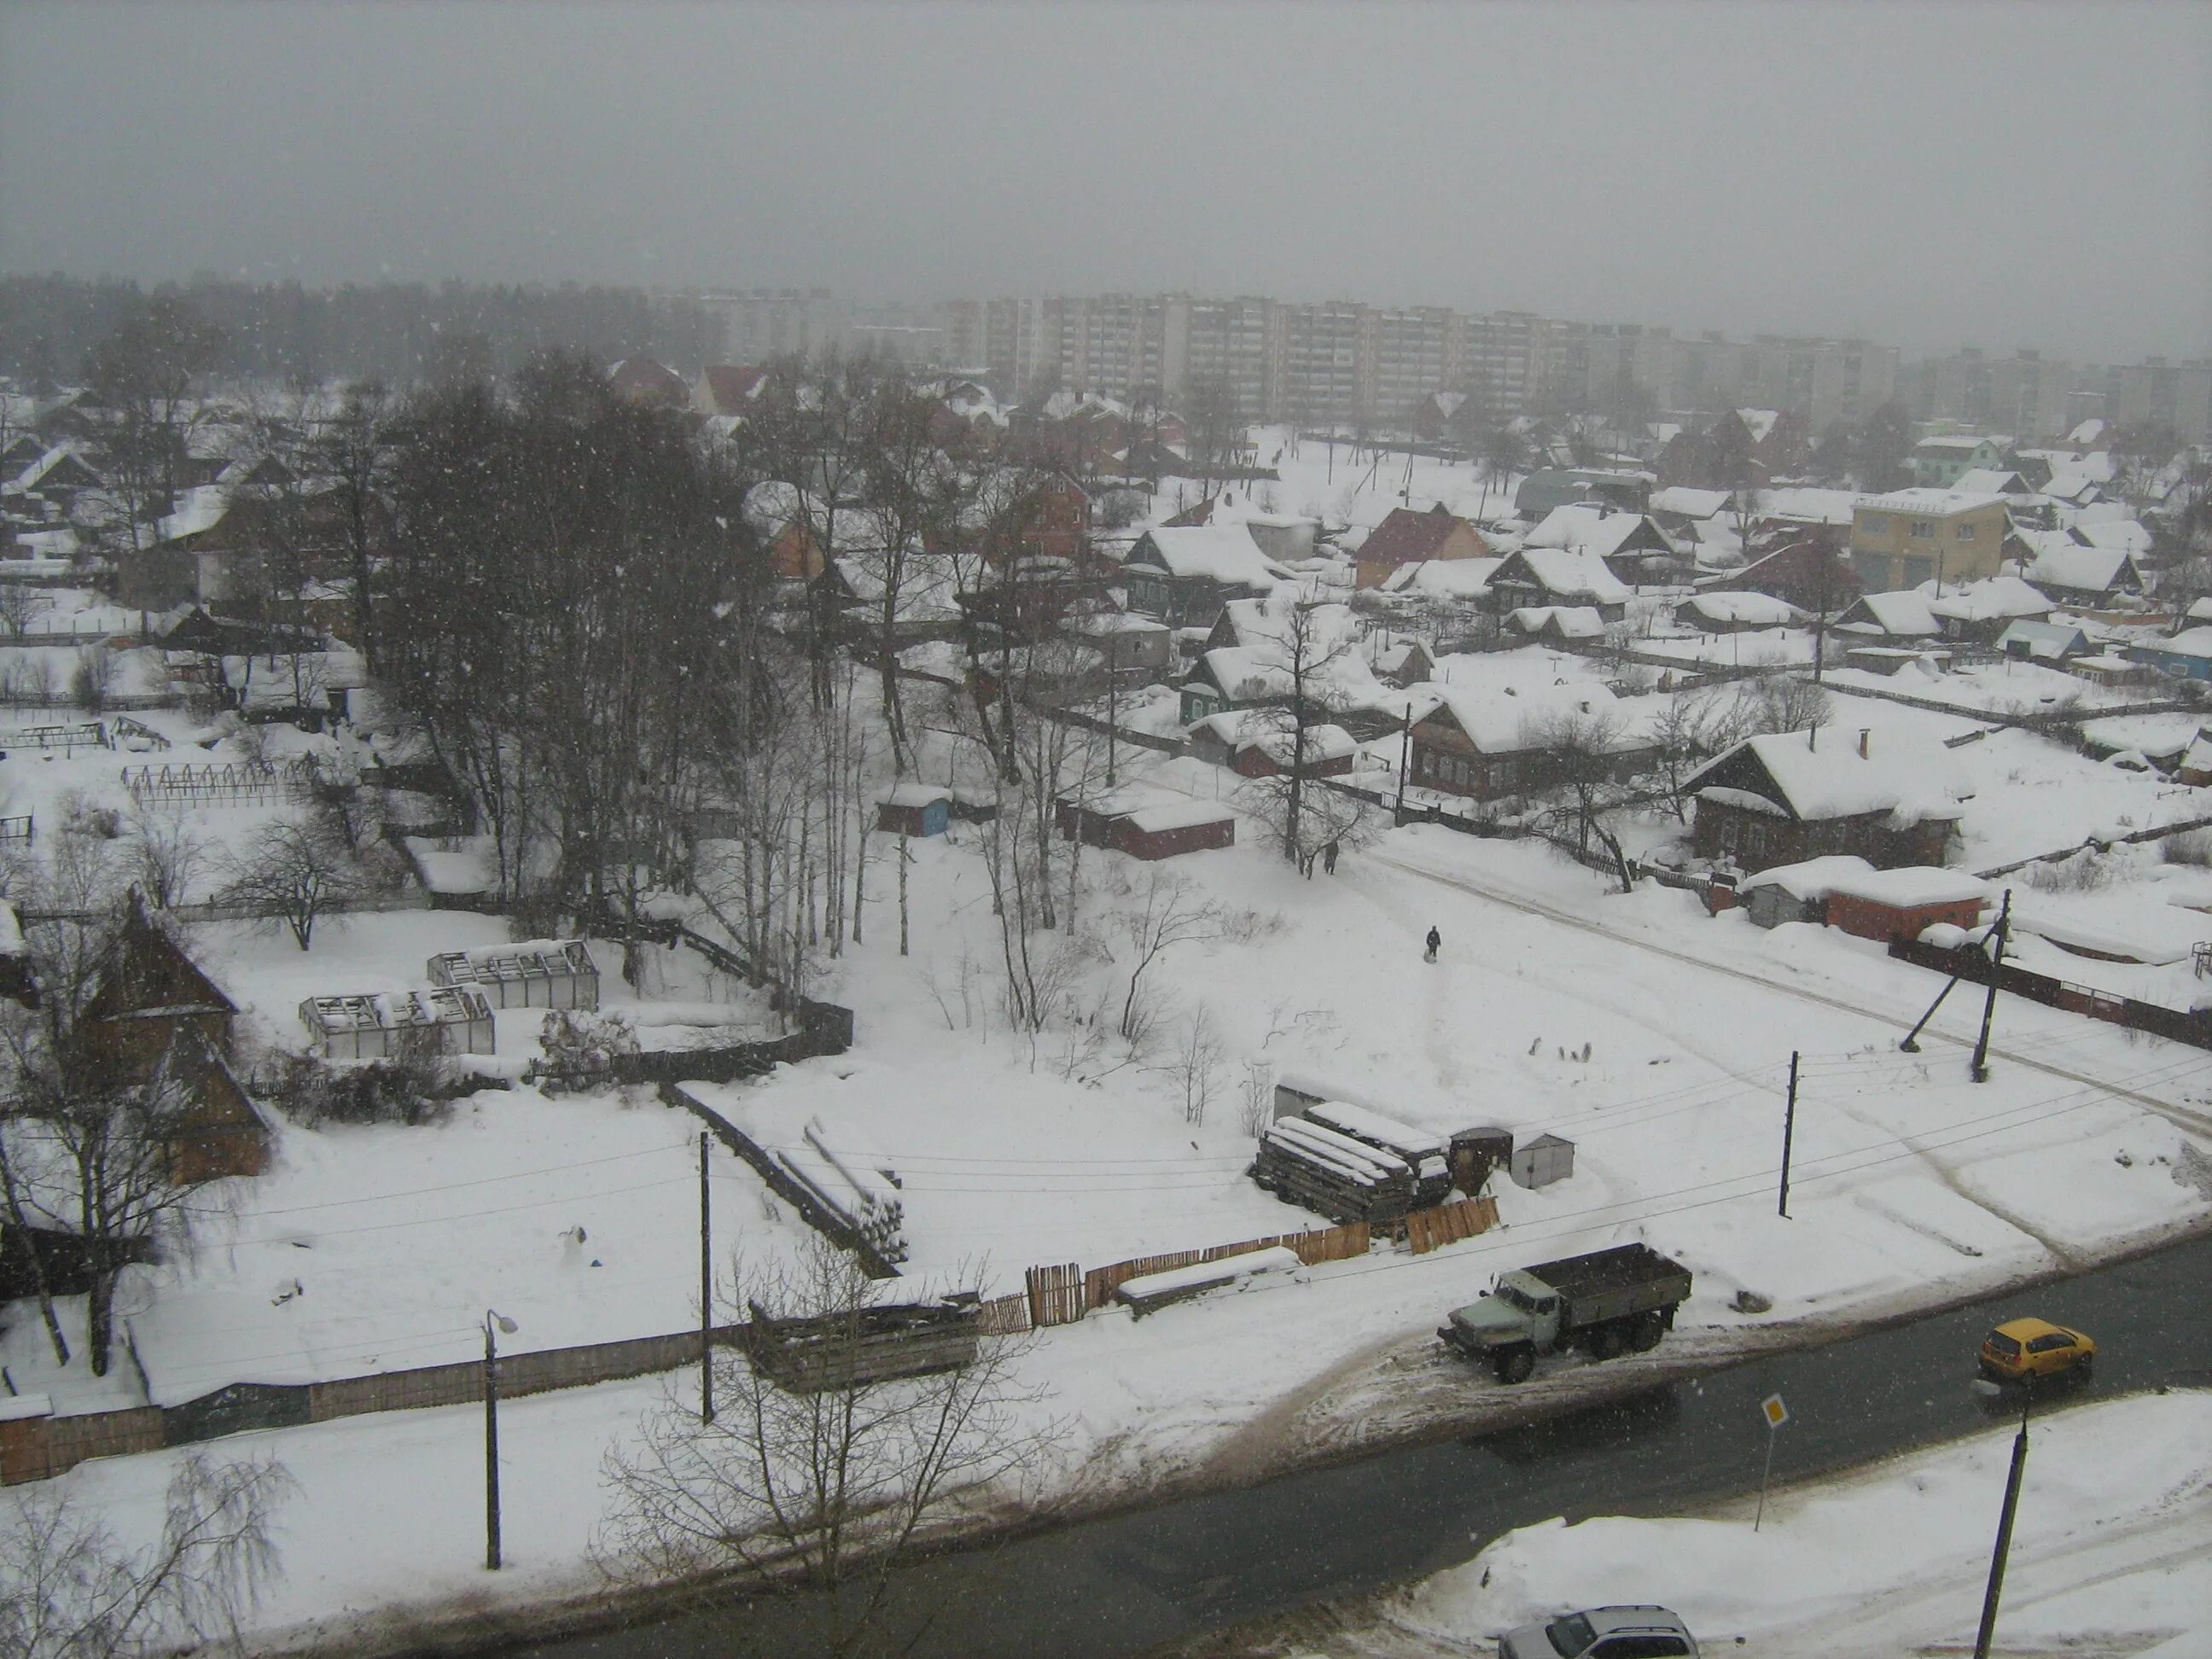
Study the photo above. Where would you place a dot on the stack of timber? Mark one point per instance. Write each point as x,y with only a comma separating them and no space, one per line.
863,1345
1425,1151
1331,1174
865,1199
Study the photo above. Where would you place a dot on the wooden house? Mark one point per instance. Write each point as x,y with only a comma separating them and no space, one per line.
1407,537
1537,577
1184,576
1485,744
156,1020
1783,798
1804,572
1632,545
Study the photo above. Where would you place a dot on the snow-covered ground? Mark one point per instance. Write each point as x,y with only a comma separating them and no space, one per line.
2111,1555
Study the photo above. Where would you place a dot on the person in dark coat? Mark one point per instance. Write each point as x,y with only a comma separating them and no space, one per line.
1436,943
1328,858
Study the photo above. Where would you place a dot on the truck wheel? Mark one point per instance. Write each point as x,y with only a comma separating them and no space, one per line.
1605,1340
1645,1334
1514,1364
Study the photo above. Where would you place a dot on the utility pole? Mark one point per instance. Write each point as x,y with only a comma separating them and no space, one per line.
1113,707
1405,759
706,1292
491,1435
1981,1067
2004,1540
1788,1133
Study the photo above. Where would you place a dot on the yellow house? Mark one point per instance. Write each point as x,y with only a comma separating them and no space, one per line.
1912,536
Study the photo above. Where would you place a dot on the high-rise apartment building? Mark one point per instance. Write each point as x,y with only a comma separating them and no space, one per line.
761,324
2156,393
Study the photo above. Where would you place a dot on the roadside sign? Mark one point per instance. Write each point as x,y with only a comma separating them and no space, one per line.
1777,1412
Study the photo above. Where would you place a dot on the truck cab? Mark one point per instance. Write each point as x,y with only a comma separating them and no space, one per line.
1517,1307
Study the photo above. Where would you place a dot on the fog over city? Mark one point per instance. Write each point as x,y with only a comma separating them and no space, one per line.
1929,176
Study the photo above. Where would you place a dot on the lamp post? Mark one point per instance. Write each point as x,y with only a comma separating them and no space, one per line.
491,1435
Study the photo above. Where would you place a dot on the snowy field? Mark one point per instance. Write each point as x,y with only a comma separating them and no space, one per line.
2111,1555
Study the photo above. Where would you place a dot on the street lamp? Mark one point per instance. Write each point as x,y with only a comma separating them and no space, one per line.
491,1434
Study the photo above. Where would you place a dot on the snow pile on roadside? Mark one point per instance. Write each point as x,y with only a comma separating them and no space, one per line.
2113,1543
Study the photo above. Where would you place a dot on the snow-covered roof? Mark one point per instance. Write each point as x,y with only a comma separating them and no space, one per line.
1808,505
1588,529
1571,621
2046,641
1448,579
1744,610
1503,723
1909,886
1759,422
2190,642
1933,503
1152,809
1988,481
1953,443
199,509
1576,573
915,792
1319,743
1225,553
1904,614
2061,562
1812,879
1990,599
1690,503
1912,778
2118,535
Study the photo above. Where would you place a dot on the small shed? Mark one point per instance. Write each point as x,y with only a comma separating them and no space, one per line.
1146,823
1541,1162
545,973
915,809
377,1027
1476,1154
1796,892
1904,903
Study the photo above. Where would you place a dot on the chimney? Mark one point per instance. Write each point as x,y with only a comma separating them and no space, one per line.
1863,741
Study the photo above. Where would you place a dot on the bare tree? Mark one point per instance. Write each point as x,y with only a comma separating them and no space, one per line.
815,1494
1785,702
170,854
92,678
1171,913
293,874
1692,726
1581,750
20,607
70,1589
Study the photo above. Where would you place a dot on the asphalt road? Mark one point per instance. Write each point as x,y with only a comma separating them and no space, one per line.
1128,1582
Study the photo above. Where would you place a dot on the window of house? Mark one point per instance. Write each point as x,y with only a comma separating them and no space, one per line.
1874,524
1965,533
1923,528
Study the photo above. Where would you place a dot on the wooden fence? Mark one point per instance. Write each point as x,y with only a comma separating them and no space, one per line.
1055,1295
1970,962
1447,1224
35,1448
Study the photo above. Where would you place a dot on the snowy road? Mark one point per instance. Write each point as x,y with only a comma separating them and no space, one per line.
1127,1583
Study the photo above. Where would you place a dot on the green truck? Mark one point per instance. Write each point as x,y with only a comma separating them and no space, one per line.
1604,1303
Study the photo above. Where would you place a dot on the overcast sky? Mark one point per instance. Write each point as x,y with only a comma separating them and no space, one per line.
1930,175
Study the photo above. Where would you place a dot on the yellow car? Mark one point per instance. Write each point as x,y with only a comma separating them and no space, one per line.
2021,1350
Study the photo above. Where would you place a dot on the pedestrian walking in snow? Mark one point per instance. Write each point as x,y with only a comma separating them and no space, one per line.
1436,942
1328,857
